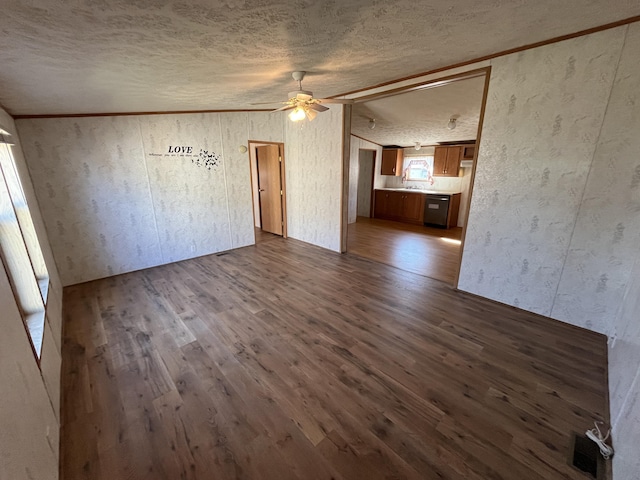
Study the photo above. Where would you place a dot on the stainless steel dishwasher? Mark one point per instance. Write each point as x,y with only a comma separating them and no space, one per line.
436,210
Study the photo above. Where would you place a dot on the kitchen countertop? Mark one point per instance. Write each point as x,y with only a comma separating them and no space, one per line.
418,190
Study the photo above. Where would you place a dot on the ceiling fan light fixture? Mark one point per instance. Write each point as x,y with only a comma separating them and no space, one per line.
311,114
301,95
297,114
452,123
303,103
372,123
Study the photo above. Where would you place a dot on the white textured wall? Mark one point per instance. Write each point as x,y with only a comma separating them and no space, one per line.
465,190
606,253
238,174
313,168
624,381
555,217
607,231
90,176
191,204
111,205
29,398
544,112
29,429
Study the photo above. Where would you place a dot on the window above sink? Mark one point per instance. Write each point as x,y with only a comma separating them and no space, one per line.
418,169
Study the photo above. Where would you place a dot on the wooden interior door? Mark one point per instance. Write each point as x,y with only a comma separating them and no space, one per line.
270,188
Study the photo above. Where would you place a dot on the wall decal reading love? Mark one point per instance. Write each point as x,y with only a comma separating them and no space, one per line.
204,158
180,149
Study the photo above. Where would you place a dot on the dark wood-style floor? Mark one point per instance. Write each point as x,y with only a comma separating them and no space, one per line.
287,361
428,251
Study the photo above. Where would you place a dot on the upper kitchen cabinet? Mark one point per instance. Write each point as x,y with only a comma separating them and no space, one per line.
392,159
446,161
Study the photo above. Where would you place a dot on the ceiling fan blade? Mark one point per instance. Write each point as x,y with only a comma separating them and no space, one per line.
286,107
267,103
311,114
318,108
346,101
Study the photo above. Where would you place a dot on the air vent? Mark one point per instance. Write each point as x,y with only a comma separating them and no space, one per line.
585,456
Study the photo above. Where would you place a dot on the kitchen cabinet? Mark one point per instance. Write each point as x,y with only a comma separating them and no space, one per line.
393,204
381,203
399,205
392,159
454,210
446,161
412,207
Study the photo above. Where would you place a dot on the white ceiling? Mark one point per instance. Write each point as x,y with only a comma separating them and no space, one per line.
422,115
92,56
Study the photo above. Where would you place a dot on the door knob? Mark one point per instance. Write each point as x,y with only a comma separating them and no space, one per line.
261,189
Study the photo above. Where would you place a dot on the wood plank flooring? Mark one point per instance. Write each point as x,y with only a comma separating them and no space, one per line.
287,361
428,251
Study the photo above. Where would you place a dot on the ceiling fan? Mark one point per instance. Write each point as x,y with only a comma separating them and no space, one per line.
301,102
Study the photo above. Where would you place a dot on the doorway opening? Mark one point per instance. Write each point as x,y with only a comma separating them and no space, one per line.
426,137
365,181
268,188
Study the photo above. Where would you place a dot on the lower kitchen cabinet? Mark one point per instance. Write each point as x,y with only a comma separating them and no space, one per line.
400,206
418,208
413,207
381,203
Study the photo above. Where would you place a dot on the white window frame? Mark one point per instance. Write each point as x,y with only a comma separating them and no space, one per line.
428,162
20,251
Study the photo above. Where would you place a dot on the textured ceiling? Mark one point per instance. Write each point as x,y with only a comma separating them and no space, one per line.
91,56
422,115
